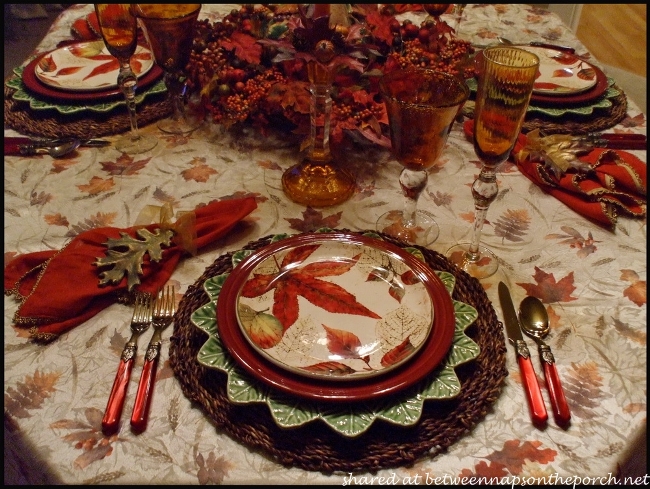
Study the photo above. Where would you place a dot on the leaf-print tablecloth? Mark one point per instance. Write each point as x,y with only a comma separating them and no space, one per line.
592,281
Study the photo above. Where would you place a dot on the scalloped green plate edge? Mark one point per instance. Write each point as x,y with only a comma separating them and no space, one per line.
22,95
403,409
602,102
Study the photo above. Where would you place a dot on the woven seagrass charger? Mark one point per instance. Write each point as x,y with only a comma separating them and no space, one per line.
315,446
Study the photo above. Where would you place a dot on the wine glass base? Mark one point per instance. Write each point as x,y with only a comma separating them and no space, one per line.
425,231
183,125
318,184
484,266
133,146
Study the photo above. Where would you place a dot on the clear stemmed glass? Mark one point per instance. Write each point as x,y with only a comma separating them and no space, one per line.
422,105
505,83
119,30
170,30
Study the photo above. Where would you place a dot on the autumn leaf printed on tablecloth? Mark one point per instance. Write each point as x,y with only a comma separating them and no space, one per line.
306,281
512,225
639,337
574,239
87,435
583,389
638,290
97,185
30,393
124,165
510,460
313,220
99,220
199,171
548,289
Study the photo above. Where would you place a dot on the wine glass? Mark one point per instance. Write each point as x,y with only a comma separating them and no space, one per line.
170,31
459,8
119,31
505,83
422,105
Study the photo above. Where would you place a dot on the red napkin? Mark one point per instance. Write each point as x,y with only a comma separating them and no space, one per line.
59,289
617,184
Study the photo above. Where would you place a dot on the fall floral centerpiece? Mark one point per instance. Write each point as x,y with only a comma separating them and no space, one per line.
251,66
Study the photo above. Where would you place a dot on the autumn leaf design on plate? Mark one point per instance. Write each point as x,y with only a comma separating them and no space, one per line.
399,353
388,274
346,345
263,329
111,64
292,280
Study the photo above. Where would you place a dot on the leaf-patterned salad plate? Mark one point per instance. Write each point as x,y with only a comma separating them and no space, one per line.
394,397
561,73
333,307
87,67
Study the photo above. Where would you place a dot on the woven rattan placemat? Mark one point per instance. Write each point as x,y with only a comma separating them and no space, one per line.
50,123
317,447
576,124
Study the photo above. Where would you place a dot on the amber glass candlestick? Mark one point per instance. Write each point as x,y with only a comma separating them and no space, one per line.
318,181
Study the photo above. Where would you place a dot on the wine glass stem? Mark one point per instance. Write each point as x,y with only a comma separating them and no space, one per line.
413,182
484,191
127,81
321,110
176,86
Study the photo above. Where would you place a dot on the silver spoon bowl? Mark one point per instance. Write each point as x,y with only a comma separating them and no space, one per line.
59,150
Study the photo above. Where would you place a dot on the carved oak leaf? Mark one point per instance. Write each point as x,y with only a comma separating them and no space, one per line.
130,261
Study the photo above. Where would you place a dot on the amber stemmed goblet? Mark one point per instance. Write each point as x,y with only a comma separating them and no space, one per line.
119,31
422,105
169,28
505,83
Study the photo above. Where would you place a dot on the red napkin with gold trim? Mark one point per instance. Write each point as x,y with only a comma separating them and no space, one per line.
60,289
616,182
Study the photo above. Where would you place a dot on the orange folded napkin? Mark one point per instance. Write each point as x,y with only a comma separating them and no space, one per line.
60,289
608,182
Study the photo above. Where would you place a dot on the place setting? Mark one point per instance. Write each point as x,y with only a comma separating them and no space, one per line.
316,379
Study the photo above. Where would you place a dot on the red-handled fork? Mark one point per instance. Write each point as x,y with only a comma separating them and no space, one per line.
163,313
139,324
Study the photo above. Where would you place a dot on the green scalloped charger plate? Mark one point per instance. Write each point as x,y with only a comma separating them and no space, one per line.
403,408
22,95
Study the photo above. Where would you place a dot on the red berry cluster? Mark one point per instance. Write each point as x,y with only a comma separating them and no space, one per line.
234,90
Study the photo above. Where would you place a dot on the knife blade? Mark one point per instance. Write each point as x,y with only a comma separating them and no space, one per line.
13,145
531,386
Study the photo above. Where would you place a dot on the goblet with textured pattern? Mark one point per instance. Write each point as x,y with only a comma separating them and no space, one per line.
422,105
169,28
505,83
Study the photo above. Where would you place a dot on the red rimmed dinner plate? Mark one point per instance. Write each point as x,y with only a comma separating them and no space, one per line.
602,83
36,86
287,379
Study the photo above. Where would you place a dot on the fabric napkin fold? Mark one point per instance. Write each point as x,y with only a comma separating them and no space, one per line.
60,289
616,182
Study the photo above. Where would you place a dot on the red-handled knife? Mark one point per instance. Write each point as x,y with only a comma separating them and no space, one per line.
529,379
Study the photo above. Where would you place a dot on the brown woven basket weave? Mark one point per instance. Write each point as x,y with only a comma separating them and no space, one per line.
50,123
315,446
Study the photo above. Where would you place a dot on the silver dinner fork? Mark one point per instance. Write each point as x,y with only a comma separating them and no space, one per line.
141,320
163,313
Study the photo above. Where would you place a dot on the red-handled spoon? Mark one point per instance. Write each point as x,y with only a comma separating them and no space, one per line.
534,322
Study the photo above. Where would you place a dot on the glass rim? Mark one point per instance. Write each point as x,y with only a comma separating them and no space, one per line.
417,69
534,59
141,15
